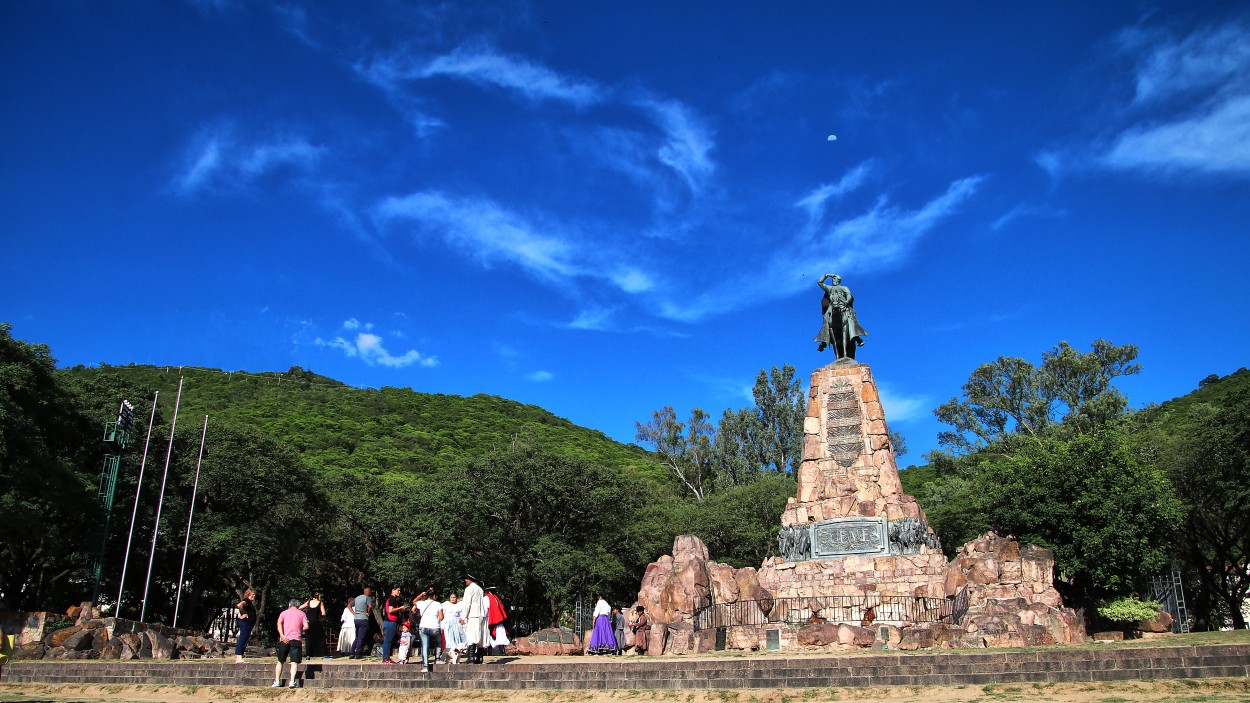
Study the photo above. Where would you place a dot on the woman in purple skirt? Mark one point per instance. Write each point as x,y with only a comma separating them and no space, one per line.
602,640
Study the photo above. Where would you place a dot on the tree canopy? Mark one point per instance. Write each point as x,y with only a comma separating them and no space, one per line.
1010,394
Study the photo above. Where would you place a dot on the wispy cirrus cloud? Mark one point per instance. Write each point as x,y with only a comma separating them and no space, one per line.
484,65
484,229
294,20
216,159
1026,210
1190,112
851,181
685,142
1215,141
1214,58
595,319
879,238
686,149
1193,96
369,348
540,377
876,239
902,407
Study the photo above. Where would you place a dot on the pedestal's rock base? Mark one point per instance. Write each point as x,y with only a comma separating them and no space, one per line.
918,575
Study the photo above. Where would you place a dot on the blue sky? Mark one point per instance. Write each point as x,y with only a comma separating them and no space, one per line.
605,208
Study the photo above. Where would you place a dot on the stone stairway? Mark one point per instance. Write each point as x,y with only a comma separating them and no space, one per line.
1049,665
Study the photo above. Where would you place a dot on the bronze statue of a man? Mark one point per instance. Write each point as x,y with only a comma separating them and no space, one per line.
840,327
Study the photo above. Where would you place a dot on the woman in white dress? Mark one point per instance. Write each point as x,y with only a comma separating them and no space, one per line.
453,630
347,629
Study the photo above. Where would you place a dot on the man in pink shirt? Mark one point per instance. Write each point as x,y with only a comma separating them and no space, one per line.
291,625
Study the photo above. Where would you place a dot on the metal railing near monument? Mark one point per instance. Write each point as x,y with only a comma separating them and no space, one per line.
803,610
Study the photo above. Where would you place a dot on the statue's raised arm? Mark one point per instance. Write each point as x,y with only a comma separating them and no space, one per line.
839,327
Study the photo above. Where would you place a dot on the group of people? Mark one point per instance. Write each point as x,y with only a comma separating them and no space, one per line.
464,628
314,610
608,633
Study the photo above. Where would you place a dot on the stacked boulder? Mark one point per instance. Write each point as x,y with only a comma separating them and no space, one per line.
1003,595
94,637
673,587
1011,596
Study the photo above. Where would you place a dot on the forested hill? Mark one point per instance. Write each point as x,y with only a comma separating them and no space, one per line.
1214,393
335,427
306,484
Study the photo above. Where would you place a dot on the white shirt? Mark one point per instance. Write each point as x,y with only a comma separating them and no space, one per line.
451,612
602,608
429,614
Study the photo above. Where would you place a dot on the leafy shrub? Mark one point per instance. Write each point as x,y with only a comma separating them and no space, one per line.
1129,609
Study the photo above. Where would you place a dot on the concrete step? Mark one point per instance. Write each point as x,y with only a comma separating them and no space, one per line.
1048,665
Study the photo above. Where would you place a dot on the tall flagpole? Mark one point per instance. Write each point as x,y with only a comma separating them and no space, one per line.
156,524
121,583
194,489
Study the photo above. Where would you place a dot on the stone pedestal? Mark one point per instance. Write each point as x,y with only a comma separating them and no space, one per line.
848,467
852,543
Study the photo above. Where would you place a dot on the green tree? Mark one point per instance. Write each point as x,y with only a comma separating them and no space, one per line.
1107,514
261,520
47,495
739,524
1202,443
734,449
684,447
542,526
1010,394
766,437
780,409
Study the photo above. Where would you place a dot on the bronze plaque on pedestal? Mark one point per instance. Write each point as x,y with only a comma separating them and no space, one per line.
845,536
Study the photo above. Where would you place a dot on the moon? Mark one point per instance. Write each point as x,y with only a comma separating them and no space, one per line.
833,138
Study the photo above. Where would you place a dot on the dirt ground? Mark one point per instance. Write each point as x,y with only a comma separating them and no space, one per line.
1185,690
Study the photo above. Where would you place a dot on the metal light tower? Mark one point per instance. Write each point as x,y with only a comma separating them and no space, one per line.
115,432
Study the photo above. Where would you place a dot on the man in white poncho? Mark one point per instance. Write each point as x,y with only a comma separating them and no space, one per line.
474,619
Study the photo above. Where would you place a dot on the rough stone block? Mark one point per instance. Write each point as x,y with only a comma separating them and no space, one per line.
1159,623
856,636
79,642
818,635
914,639
57,637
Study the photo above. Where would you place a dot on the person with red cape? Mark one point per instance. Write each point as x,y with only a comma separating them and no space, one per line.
496,614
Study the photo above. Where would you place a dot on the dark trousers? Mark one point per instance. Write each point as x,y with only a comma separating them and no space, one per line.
362,631
245,633
388,636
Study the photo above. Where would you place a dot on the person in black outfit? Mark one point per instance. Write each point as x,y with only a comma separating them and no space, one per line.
315,638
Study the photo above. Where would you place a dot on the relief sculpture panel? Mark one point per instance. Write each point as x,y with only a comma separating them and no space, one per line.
842,425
